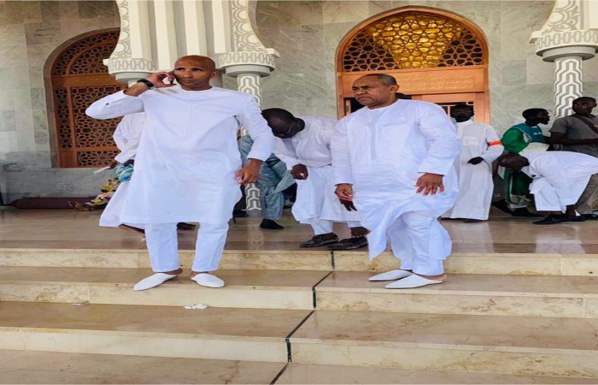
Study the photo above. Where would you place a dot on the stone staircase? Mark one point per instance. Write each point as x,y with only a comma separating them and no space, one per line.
70,316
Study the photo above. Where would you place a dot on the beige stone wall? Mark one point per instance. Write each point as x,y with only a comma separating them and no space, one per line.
30,32
307,34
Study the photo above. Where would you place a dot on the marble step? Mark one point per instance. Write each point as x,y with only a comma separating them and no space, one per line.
320,260
334,374
503,263
158,331
523,346
267,289
30,367
503,295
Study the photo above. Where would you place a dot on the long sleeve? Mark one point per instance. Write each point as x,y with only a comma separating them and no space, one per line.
115,105
257,127
283,153
119,137
445,143
341,159
129,150
128,133
495,148
554,174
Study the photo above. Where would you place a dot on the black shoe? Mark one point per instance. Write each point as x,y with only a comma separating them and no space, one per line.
184,226
319,240
591,217
240,214
472,221
503,206
552,219
350,244
269,224
522,212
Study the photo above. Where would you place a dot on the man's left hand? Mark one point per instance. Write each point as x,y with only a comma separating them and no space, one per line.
476,160
249,173
429,184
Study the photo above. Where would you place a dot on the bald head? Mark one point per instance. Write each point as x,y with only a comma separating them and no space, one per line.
194,72
513,162
205,61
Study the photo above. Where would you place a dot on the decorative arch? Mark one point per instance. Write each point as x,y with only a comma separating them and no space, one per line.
435,55
78,77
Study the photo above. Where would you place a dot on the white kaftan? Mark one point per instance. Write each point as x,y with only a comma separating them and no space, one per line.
188,155
315,195
475,180
126,136
382,152
560,177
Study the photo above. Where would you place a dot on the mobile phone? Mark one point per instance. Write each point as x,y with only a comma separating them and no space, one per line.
172,79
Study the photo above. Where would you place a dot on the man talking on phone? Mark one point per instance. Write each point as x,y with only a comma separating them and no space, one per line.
188,166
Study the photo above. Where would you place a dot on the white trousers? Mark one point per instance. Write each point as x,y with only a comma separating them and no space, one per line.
162,245
420,242
324,226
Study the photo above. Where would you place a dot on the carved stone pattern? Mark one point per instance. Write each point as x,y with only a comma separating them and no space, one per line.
95,158
91,132
252,197
245,38
122,65
61,106
412,40
91,62
61,64
567,84
235,58
565,39
123,47
250,84
565,16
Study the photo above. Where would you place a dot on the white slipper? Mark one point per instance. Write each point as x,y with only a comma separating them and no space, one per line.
153,281
392,275
411,282
208,280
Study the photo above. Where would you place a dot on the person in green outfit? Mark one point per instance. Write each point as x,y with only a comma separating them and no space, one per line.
529,137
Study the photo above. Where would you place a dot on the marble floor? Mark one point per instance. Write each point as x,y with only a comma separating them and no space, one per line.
65,229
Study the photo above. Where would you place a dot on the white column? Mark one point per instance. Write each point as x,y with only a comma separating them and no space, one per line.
166,47
195,33
568,83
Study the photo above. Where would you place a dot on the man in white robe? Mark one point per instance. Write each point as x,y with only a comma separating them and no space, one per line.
394,159
480,146
303,144
188,166
559,179
126,136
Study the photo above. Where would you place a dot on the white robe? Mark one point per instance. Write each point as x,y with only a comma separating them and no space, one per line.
315,195
382,153
560,177
126,136
475,180
188,155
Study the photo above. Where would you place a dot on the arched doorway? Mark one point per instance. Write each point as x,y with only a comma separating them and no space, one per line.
78,78
434,55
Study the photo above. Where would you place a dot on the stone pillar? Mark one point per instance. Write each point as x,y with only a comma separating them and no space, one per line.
248,68
249,62
131,59
565,41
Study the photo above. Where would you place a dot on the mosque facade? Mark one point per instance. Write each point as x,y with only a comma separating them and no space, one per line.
502,57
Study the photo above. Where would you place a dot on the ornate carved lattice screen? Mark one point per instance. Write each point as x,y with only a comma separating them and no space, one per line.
412,40
79,78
